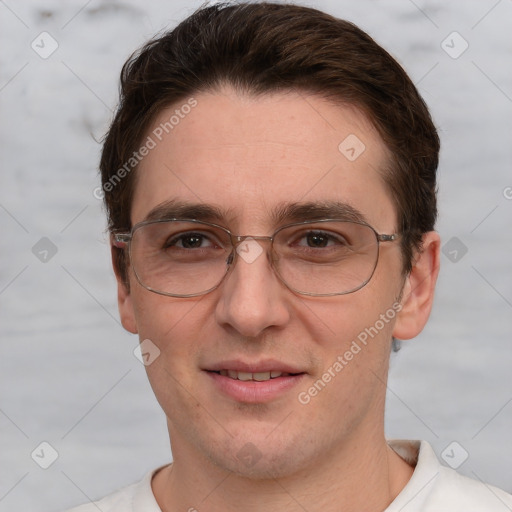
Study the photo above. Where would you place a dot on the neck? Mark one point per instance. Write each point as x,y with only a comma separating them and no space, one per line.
364,474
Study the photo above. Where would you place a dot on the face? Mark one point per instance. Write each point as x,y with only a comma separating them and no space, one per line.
249,157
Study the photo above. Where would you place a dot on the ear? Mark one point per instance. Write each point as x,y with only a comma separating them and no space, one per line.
124,298
418,291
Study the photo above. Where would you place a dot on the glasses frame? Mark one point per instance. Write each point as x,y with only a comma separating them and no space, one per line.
122,240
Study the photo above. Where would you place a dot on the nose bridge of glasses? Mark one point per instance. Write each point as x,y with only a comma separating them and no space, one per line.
238,239
249,247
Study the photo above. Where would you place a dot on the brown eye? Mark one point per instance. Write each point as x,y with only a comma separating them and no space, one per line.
190,241
317,240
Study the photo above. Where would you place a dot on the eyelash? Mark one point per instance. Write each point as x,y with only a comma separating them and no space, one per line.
180,237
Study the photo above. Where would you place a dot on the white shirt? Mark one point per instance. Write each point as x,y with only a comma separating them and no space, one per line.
432,488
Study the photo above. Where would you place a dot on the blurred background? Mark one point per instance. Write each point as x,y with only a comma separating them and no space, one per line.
68,373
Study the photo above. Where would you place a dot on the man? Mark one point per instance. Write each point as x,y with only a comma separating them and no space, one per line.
270,182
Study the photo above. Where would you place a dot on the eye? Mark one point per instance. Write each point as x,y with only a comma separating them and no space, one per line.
320,239
191,240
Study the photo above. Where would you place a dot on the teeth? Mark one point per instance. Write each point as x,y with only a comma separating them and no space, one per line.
259,376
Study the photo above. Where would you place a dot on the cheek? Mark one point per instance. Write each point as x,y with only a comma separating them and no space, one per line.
355,360
353,336
362,315
157,314
172,325
172,332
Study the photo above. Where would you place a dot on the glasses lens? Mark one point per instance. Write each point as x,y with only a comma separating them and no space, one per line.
323,258
179,257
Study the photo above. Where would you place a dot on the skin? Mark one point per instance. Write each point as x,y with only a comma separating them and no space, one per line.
246,155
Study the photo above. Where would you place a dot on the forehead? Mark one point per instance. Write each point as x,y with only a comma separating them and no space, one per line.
248,155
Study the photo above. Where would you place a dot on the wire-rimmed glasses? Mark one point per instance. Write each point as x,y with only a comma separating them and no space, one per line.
188,257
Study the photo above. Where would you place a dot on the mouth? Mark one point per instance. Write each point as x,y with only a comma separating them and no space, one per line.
256,376
254,383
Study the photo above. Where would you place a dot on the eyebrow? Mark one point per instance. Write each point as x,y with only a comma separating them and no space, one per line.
294,212
176,209
284,212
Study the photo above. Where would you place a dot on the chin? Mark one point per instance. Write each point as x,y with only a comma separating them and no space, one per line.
259,459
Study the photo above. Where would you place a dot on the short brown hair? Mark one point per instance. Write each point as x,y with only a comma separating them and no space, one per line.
265,47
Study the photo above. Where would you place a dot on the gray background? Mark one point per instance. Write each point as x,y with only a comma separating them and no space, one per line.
68,375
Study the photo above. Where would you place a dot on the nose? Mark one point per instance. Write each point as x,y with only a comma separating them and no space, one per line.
252,298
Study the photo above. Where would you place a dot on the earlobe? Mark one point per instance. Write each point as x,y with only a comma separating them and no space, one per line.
418,291
126,312
124,298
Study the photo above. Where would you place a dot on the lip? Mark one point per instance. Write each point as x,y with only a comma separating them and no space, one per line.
251,391
254,391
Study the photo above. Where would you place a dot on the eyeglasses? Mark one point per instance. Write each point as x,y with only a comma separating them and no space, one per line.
187,258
